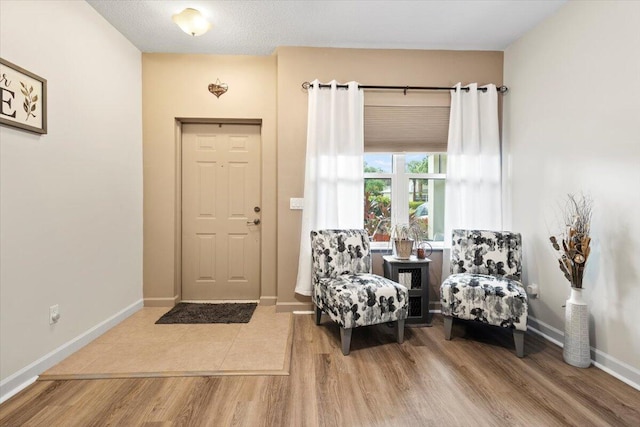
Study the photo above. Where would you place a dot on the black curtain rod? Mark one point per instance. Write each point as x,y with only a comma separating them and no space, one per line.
500,89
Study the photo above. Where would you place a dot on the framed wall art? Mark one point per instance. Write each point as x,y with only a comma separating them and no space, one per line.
23,98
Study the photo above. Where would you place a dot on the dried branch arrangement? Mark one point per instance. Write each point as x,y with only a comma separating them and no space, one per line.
573,244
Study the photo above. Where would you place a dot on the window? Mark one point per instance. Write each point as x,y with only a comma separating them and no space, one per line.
401,188
405,163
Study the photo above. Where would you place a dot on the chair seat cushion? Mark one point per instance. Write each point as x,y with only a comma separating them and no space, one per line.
361,299
494,300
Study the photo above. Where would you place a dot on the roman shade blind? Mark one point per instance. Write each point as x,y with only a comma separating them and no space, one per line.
406,128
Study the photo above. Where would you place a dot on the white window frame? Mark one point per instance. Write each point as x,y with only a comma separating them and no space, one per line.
399,190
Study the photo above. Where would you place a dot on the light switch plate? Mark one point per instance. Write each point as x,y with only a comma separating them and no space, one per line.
296,203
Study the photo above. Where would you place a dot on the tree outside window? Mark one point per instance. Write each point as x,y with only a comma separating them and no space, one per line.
403,188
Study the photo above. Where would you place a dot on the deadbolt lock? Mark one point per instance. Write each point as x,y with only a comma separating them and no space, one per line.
256,209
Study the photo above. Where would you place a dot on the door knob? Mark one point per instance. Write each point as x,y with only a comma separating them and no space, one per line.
254,222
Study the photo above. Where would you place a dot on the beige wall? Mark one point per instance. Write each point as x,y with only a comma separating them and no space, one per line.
375,67
71,200
175,86
571,125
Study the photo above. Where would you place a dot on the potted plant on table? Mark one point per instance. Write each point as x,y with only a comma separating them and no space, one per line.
403,237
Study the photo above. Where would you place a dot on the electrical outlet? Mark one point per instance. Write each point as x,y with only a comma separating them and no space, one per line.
54,314
533,290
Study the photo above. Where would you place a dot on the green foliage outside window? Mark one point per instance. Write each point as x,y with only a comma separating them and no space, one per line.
418,166
377,206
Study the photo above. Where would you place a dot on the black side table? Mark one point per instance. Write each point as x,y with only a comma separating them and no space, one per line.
414,274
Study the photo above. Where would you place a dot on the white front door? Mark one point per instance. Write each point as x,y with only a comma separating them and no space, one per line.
220,212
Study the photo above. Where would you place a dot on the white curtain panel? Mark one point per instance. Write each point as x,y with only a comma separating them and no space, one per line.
334,178
473,183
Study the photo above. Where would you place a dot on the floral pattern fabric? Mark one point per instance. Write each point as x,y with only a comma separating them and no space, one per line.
485,285
337,252
343,286
487,252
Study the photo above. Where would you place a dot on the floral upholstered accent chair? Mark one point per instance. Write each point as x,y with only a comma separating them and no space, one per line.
485,286
346,291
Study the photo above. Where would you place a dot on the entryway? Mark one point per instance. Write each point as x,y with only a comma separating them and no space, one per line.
139,348
221,212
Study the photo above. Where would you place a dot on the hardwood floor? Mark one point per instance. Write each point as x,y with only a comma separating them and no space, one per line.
475,379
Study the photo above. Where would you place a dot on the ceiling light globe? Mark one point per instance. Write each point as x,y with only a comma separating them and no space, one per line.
192,22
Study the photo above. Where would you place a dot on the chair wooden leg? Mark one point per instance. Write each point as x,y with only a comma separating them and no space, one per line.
400,331
448,324
318,315
345,338
518,337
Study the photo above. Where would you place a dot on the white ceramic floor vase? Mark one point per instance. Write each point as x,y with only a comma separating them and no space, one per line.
576,349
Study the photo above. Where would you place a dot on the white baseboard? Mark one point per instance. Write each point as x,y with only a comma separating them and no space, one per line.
617,368
546,331
27,375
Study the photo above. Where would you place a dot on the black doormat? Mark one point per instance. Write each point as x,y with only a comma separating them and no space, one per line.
209,313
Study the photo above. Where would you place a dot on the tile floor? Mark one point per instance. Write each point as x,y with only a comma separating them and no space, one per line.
138,347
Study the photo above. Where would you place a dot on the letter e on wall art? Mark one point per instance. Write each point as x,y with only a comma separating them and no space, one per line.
23,98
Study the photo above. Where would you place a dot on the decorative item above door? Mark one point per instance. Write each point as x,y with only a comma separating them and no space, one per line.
218,88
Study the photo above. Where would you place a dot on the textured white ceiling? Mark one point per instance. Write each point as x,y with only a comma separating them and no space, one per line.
258,27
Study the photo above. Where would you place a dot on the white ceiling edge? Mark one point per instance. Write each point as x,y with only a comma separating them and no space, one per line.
258,27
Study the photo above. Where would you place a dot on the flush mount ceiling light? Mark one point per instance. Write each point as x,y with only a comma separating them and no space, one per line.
192,22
